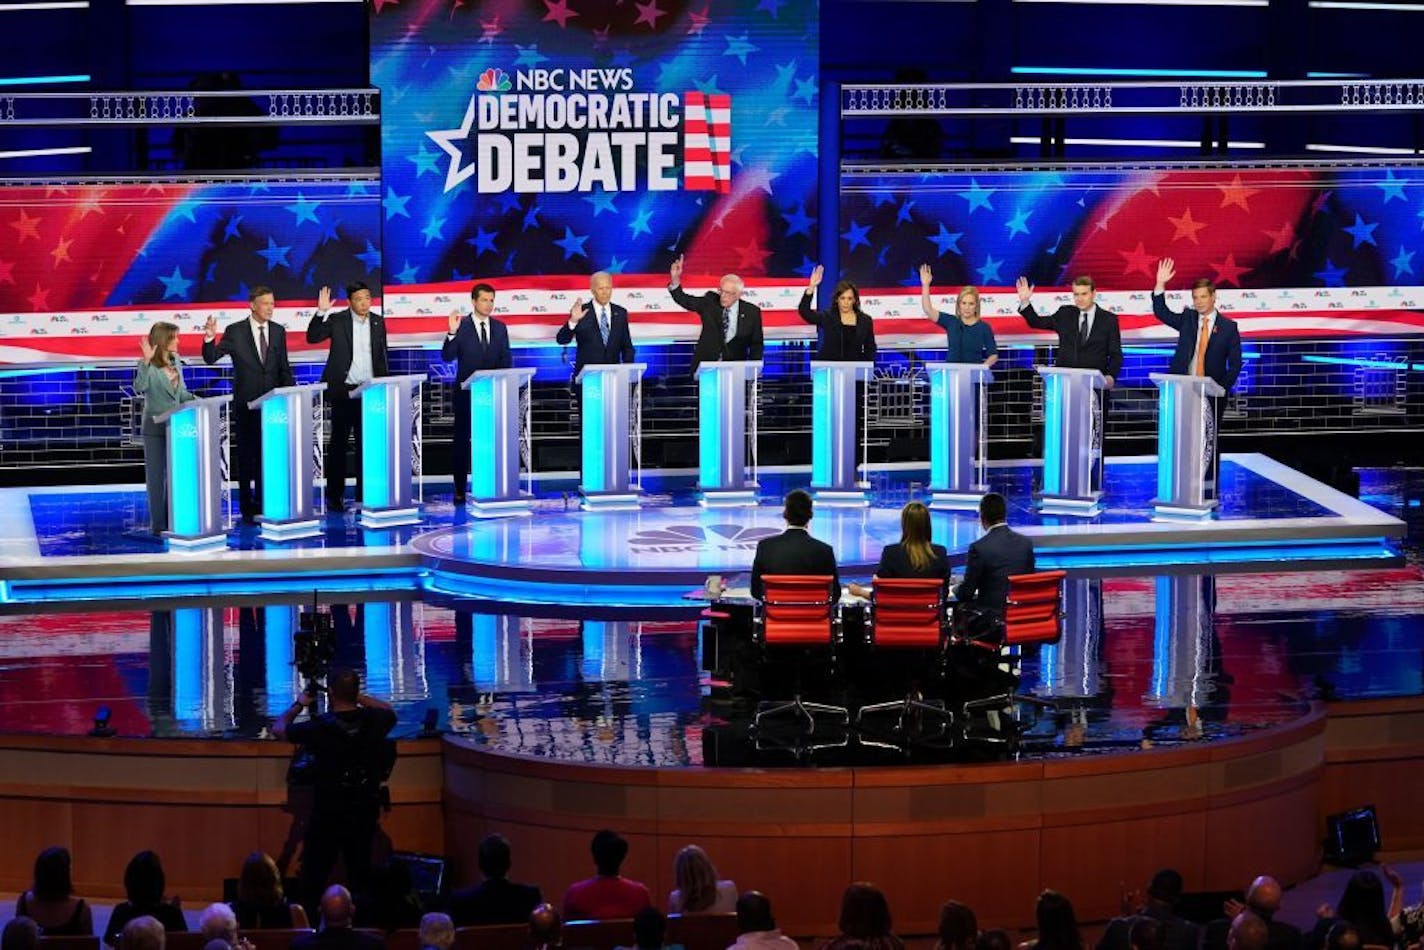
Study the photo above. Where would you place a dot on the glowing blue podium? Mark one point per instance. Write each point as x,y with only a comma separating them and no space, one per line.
958,433
388,407
834,409
1186,447
495,419
722,422
195,474
611,420
1072,441
289,428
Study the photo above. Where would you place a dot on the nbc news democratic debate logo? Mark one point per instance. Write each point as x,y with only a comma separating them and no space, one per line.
567,130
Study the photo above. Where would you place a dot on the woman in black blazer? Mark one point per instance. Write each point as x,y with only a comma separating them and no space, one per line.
915,555
846,332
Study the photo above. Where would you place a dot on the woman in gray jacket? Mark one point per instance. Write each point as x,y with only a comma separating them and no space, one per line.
159,381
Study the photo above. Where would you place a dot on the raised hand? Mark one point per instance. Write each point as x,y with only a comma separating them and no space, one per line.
146,348
577,311
210,327
453,322
675,272
1025,291
1166,270
323,299
926,276
817,273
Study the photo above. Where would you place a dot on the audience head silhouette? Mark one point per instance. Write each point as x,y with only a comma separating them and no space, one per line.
1248,932
695,877
993,510
797,508
546,926
437,931
142,933
609,849
337,909
865,914
958,927
495,856
754,913
52,875
21,933
1057,924
649,928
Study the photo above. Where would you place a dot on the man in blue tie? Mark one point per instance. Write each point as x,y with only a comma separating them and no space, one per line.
476,341
600,327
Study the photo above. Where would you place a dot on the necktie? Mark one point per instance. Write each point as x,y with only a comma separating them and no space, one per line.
262,342
1083,325
484,333
1199,365
727,324
603,324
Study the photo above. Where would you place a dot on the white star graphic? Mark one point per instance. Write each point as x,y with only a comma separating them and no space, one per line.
446,139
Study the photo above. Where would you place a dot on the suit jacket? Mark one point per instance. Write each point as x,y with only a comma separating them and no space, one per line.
1177,934
336,327
993,559
495,900
895,563
794,551
1279,935
251,376
338,938
746,342
831,344
1223,350
1102,350
470,355
590,340
159,395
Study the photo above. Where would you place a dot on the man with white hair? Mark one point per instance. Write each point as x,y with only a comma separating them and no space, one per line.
600,327
731,327
142,933
437,932
218,922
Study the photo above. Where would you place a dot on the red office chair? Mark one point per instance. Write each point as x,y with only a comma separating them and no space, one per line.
909,614
799,611
1032,614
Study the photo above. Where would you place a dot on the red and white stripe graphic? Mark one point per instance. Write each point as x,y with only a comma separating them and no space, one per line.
707,142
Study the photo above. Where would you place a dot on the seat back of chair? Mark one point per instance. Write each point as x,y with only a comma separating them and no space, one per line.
491,937
701,931
907,612
797,610
1034,611
276,939
189,940
403,939
69,942
599,934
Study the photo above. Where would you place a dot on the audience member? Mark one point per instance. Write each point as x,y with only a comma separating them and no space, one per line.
1248,932
607,894
1163,892
21,933
1147,933
1342,936
496,899
144,882
1363,906
794,551
261,904
546,928
993,559
390,902
915,555
437,932
1263,898
994,940
958,927
1057,924
142,933
50,901
338,912
756,927
865,919
649,930
698,890
218,943
1411,924
218,922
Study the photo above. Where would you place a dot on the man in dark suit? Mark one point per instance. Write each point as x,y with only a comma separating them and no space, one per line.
336,933
358,354
475,342
1263,899
1208,344
994,558
258,348
496,899
1088,336
731,327
1163,892
794,551
599,327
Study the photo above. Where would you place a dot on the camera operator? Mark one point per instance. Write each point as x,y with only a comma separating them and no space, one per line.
351,760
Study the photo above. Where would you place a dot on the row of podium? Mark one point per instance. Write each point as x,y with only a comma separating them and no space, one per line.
727,400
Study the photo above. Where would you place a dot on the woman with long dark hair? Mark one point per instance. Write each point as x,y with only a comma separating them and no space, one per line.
864,921
144,882
50,901
915,555
1057,924
846,331
159,380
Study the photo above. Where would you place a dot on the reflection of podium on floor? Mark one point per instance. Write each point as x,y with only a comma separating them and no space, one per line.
1183,641
195,474
959,423
724,415
389,413
1072,441
288,461
1186,447
611,420
834,412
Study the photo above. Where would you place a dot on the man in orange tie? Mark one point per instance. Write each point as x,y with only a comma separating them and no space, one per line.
1208,344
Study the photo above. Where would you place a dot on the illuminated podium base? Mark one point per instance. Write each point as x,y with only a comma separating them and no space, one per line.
289,530
1071,505
611,501
842,497
388,517
941,500
200,543
1163,511
728,497
503,508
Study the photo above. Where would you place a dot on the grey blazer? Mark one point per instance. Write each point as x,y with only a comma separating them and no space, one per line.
159,395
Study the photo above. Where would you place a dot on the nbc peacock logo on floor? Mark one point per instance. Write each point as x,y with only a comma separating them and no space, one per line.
692,539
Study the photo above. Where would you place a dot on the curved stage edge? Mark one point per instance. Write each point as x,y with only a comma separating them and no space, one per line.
992,835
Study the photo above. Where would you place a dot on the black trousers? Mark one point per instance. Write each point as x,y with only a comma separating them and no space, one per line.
345,424
247,453
338,829
460,442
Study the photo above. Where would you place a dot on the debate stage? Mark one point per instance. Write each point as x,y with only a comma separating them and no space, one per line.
78,543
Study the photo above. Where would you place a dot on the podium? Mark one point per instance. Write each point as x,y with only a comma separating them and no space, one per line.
387,448
288,466
1072,441
195,474
1186,447
958,434
607,410
722,418
495,418
833,433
